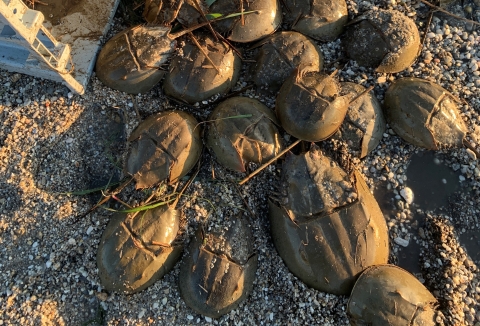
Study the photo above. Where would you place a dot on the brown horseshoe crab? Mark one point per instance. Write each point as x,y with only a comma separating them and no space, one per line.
364,124
132,60
237,141
326,227
219,270
309,106
137,250
321,20
386,40
389,295
424,114
280,54
165,146
204,68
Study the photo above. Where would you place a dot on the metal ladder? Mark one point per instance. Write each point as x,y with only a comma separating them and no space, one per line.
27,47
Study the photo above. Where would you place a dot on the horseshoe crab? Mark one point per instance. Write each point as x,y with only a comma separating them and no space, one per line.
137,250
202,70
248,28
386,40
309,106
364,124
389,295
280,54
131,61
237,141
165,146
321,20
326,227
219,270
424,114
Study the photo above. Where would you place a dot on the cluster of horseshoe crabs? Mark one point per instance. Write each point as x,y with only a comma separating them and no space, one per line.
325,223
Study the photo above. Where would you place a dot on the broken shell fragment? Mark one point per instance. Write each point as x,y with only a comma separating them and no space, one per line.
243,130
136,251
326,227
282,53
389,295
131,61
165,146
219,270
424,114
321,20
364,124
309,106
195,74
386,40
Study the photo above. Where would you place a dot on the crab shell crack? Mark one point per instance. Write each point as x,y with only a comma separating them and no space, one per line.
131,60
135,252
165,146
389,295
424,114
237,141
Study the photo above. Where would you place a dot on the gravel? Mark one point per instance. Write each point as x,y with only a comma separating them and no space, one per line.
53,142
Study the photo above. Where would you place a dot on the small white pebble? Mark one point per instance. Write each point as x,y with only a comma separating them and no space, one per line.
401,242
472,154
407,194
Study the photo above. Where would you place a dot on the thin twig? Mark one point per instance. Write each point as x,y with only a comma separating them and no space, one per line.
361,94
138,6
190,180
254,173
241,11
230,45
139,117
199,9
134,57
427,28
244,201
449,13
203,51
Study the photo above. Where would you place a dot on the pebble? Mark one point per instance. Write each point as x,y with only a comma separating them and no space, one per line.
407,195
89,230
401,242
